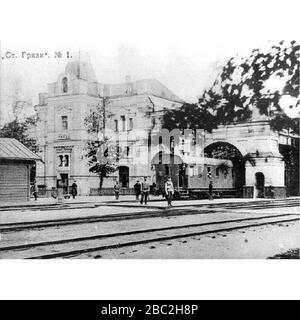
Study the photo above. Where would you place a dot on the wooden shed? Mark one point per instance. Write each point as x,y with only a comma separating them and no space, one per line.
16,162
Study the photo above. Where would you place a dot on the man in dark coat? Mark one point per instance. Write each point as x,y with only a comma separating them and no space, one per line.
35,190
211,191
74,189
137,189
117,190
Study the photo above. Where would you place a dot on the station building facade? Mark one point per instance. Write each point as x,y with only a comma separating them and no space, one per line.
132,106
133,114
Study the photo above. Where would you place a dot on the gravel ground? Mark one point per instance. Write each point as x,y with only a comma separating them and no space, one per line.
255,243
88,229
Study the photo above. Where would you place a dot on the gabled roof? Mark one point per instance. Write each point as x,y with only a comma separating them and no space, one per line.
12,149
145,86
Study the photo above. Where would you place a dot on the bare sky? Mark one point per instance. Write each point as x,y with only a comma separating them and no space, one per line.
180,43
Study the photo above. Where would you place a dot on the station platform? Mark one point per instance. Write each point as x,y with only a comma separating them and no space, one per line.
45,209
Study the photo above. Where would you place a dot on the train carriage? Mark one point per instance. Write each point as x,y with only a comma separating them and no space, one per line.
191,175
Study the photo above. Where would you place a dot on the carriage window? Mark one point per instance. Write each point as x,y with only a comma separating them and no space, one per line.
160,157
172,144
217,172
191,171
167,170
160,140
116,126
208,169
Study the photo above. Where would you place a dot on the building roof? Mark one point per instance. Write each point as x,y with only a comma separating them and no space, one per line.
145,86
12,149
190,160
81,69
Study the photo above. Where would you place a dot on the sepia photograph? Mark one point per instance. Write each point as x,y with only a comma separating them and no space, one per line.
180,141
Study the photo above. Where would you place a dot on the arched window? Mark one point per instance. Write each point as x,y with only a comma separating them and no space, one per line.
65,84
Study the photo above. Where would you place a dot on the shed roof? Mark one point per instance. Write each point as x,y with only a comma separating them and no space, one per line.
12,149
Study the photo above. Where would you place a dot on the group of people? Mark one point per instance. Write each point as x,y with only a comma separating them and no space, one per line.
142,190
54,193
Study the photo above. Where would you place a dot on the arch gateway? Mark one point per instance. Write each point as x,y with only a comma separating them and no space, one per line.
259,150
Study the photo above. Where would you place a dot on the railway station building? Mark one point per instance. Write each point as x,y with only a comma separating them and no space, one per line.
133,113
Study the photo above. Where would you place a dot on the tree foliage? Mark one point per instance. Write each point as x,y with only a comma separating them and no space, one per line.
18,129
246,85
189,116
98,149
258,81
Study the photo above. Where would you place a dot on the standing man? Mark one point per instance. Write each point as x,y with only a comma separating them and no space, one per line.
169,190
74,189
137,190
211,191
35,190
117,190
145,191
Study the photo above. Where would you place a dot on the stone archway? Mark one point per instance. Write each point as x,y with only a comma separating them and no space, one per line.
225,150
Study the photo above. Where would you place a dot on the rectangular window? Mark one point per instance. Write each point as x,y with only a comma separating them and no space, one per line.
123,123
172,145
64,120
167,170
130,124
217,172
116,126
66,160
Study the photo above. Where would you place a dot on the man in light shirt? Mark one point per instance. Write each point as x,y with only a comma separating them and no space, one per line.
169,190
145,191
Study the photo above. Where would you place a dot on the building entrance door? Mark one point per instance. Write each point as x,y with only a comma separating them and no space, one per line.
65,182
124,177
260,184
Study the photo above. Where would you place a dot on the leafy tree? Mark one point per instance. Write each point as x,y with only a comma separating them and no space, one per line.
99,151
242,87
18,129
245,84
191,116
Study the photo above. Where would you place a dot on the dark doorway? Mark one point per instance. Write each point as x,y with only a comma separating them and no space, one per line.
260,184
124,177
182,176
227,151
291,167
65,181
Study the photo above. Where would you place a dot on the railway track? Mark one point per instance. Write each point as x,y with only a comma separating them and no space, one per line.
175,211
74,247
31,225
126,204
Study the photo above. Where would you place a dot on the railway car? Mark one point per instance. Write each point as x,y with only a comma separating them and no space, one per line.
191,176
